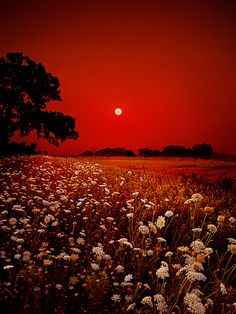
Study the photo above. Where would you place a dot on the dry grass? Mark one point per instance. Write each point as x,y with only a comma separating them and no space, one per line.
122,236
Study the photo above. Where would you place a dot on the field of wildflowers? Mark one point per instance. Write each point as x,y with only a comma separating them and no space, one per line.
77,238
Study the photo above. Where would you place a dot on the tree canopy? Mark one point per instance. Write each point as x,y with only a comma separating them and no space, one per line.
117,151
25,90
176,151
147,152
203,150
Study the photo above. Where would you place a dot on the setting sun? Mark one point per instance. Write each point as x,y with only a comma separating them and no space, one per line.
118,111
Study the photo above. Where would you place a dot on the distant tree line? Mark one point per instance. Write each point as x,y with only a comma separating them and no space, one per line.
117,151
199,151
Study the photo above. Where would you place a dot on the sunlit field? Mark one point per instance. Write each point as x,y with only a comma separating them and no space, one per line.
210,169
117,235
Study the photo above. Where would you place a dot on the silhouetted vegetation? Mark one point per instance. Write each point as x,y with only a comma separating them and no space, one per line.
25,90
147,152
87,153
117,151
202,150
176,151
218,155
199,150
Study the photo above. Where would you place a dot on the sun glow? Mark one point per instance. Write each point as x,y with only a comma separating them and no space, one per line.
118,111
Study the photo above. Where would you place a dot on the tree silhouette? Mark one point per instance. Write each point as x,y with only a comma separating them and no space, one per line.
176,151
147,152
25,90
202,150
117,151
87,153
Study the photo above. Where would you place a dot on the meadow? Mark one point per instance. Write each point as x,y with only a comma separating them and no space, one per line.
117,235
210,169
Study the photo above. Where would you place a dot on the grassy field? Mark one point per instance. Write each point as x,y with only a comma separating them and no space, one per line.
209,168
117,235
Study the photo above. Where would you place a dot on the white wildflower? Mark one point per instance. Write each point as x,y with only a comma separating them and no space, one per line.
207,251
45,203
196,276
147,301
110,219
12,221
58,286
8,267
131,307
119,269
160,223
169,254
26,256
163,271
146,286
94,266
232,248
66,257
169,213
130,215
150,252
197,230
197,246
223,288
183,249
194,303
107,257
197,197
122,240
232,219
194,199
189,260
41,230
128,244
161,240
143,229
128,278
116,298
80,241
128,298
164,264
209,301
152,227
212,228
99,252
160,302
231,240
188,201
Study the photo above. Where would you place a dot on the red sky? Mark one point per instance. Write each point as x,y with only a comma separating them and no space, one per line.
170,65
